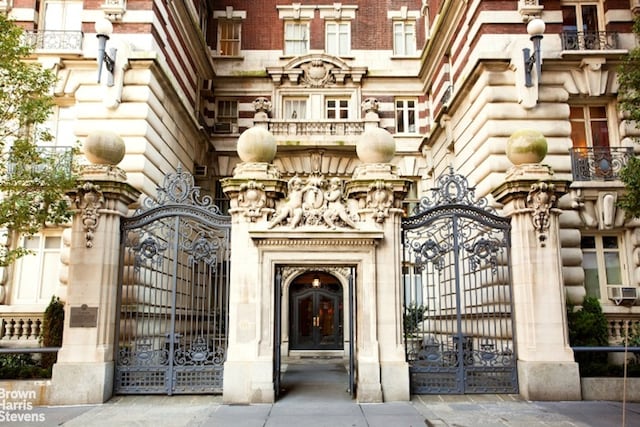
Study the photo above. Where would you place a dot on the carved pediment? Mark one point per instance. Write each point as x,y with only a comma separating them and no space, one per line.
316,70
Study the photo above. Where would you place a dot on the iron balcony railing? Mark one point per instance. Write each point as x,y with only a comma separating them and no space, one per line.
599,163
329,127
58,159
60,41
589,40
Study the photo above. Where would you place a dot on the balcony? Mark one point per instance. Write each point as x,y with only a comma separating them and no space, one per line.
54,41
599,163
315,128
589,40
58,160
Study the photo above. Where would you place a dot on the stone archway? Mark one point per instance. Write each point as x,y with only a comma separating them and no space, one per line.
315,304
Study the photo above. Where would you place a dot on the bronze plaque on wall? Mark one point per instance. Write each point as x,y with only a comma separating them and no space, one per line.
83,317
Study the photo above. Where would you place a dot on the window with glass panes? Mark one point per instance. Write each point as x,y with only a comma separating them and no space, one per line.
602,263
338,38
229,37
589,126
36,279
296,38
406,115
404,38
295,108
337,109
227,111
580,25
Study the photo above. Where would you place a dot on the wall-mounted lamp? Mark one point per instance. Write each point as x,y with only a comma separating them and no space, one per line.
535,28
103,29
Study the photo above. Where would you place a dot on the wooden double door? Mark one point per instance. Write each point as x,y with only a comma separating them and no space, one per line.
316,316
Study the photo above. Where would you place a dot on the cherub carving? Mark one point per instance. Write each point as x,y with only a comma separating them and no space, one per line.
335,207
293,207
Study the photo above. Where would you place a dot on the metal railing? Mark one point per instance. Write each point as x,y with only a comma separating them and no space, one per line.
589,40
599,163
58,158
59,41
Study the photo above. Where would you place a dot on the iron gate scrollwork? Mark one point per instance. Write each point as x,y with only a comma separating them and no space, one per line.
458,319
173,293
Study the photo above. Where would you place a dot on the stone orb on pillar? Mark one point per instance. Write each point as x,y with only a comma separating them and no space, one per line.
526,146
104,147
257,145
376,145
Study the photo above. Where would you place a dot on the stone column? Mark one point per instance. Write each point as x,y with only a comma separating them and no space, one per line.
383,373
248,370
546,367
84,370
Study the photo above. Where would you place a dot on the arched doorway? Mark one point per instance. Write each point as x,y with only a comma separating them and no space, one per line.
316,313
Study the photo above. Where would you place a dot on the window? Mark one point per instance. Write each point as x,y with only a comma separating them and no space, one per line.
296,38
580,26
591,155
602,263
61,25
404,38
62,15
589,126
406,114
36,278
338,38
226,117
229,37
295,108
337,109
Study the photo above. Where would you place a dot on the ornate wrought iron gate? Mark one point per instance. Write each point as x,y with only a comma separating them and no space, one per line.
458,319
174,285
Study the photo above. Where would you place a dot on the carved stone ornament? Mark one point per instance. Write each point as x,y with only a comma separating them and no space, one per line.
540,200
89,200
380,200
314,202
370,105
262,105
317,73
252,200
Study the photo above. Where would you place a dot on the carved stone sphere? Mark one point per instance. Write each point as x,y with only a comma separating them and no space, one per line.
376,145
526,146
257,145
104,147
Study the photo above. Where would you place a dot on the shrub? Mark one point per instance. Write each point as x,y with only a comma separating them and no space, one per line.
588,327
21,366
52,327
413,317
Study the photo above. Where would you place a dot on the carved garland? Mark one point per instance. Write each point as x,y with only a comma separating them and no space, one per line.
89,200
541,199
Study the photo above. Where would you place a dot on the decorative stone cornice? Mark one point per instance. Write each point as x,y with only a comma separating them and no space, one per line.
309,241
316,70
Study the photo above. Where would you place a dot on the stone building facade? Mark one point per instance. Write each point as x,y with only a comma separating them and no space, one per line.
318,126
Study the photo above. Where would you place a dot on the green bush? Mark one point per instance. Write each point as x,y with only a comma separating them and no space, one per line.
588,327
52,327
21,366
413,317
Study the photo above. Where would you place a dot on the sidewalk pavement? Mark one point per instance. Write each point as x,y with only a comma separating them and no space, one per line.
432,411
314,395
